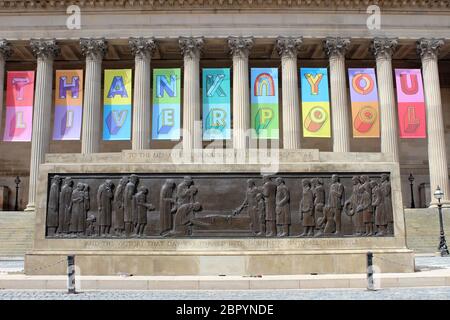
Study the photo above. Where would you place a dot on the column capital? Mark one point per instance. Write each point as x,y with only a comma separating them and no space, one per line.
94,49
44,48
336,46
240,46
191,47
383,47
429,48
142,47
288,46
5,49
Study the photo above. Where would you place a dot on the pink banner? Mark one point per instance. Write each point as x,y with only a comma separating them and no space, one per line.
19,106
411,103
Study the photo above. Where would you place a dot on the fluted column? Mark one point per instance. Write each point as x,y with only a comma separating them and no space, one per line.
240,48
383,49
428,49
336,48
45,51
287,50
191,50
142,50
93,50
5,53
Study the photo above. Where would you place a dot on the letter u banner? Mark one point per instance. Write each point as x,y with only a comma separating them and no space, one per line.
264,103
117,105
19,106
166,104
411,103
216,104
68,104
365,107
315,102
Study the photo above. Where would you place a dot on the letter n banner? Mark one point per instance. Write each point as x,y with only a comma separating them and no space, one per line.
19,105
68,104
411,103
365,107
117,105
166,104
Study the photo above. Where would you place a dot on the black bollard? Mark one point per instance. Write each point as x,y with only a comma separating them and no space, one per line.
370,285
71,274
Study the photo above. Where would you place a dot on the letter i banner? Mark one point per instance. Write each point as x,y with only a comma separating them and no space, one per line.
19,106
216,104
315,102
166,104
68,104
264,103
411,103
117,105
365,107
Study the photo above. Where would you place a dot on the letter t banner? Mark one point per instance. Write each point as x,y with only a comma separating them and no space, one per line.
117,105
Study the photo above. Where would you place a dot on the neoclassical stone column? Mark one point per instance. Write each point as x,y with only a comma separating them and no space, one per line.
287,48
383,49
240,48
5,53
428,50
45,51
94,51
335,49
142,49
191,48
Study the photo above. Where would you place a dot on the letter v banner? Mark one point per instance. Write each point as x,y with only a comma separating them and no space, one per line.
19,105
117,105
68,104
216,103
411,103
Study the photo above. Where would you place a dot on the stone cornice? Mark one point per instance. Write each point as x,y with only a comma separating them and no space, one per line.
142,47
94,49
5,49
383,47
429,48
288,46
44,48
224,4
191,47
240,46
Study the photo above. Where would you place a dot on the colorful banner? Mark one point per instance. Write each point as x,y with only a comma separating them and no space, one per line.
117,105
216,104
19,106
264,103
166,104
411,103
68,104
315,102
365,107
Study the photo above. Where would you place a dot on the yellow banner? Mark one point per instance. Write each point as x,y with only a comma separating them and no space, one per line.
365,117
118,87
316,119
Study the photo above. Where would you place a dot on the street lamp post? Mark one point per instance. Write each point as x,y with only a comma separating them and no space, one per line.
438,194
411,181
16,204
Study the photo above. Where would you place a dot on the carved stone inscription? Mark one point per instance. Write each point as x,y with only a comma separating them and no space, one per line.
219,205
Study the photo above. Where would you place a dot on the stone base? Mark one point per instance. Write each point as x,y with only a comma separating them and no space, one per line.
245,264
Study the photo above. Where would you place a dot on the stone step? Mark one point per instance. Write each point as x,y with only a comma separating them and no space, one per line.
16,233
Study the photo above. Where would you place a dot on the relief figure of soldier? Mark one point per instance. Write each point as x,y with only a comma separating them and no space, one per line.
336,201
250,204
64,206
307,209
128,195
53,206
142,206
166,206
105,196
386,188
283,207
118,206
269,191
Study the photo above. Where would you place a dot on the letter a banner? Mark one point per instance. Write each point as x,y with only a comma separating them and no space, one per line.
166,104
19,106
117,105
365,107
264,103
315,102
411,103
68,104
216,104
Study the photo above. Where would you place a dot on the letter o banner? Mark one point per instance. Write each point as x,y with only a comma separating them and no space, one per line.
315,119
365,119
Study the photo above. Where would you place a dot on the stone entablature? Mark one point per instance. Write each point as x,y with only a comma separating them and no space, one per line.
226,4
